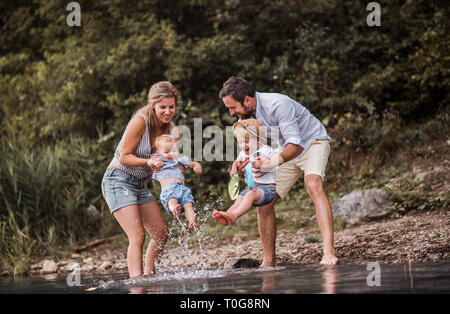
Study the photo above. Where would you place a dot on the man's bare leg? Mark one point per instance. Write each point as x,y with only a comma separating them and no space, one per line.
324,215
267,228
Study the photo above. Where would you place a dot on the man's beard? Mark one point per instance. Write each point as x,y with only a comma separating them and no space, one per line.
248,113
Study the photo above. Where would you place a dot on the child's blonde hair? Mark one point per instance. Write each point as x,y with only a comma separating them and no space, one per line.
165,138
250,127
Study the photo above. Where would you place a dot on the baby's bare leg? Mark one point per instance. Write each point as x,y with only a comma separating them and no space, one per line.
222,217
245,205
174,207
190,214
241,206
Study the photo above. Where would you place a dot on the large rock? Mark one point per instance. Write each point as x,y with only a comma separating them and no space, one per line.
362,205
241,263
49,267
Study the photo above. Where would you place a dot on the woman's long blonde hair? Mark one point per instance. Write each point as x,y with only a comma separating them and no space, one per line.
157,92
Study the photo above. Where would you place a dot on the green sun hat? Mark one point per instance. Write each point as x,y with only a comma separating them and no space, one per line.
233,187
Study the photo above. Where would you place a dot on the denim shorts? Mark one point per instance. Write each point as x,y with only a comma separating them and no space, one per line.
121,189
178,191
269,192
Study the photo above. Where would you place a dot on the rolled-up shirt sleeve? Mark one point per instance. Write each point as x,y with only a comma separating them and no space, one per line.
284,113
184,160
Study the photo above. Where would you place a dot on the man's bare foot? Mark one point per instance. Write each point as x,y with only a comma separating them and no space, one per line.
192,224
176,210
329,260
223,218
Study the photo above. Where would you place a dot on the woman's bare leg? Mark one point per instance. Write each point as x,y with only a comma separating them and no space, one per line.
129,219
155,225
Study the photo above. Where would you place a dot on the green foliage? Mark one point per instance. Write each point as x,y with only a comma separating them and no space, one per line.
409,194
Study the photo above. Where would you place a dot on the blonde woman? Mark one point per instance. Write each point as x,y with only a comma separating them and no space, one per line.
124,184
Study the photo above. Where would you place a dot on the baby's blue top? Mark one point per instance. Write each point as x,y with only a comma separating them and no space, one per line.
170,168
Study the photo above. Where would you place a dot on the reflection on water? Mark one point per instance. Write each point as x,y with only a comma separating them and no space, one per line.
394,278
329,280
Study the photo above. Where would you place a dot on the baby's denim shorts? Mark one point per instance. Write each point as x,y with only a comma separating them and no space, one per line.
121,189
269,192
178,191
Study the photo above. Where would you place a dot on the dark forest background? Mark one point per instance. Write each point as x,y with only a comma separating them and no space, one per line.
67,93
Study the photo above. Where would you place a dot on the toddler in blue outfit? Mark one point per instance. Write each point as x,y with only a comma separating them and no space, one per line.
260,190
175,196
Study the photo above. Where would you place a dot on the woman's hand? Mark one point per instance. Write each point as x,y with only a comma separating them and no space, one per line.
155,164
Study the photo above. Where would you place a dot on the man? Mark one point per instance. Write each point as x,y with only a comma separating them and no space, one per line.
304,148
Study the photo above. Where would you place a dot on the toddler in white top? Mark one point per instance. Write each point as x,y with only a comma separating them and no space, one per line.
269,178
260,189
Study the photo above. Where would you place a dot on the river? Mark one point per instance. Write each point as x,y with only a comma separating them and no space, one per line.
292,279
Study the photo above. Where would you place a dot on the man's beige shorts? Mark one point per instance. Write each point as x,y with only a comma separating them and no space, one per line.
313,161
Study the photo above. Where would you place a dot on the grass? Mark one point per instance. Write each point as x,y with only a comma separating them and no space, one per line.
42,204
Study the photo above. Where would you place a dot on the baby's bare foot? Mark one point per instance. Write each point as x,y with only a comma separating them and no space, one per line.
223,218
219,218
176,210
192,224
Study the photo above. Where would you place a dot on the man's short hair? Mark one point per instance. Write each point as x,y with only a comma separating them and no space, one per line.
238,88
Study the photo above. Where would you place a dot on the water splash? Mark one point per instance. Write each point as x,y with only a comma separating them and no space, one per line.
182,239
187,243
183,281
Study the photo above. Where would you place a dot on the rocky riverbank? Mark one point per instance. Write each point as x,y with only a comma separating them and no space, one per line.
415,237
